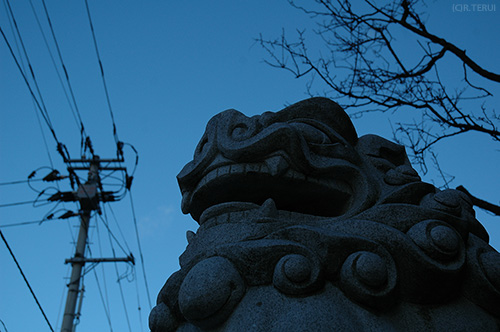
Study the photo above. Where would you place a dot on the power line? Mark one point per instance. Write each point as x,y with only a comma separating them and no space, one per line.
119,228
138,302
61,300
76,115
61,148
43,135
49,217
104,298
119,283
112,235
82,127
18,182
140,249
40,106
22,203
115,135
34,104
3,324
106,309
23,223
26,281
45,116
44,109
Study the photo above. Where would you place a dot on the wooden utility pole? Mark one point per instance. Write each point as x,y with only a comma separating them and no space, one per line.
89,190
89,195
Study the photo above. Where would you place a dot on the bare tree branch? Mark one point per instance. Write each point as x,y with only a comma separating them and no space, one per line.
480,203
362,54
365,70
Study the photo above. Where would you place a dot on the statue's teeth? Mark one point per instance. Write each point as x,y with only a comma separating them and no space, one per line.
267,210
277,165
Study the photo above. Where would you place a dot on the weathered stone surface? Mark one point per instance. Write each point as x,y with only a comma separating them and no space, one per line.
306,227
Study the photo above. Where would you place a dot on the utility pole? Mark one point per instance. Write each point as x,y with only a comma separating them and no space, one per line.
89,195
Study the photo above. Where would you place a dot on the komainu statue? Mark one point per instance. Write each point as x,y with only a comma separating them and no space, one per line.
306,227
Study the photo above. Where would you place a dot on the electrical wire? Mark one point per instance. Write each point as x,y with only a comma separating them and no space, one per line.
106,309
44,116
46,178
3,324
23,223
21,203
66,74
105,298
119,283
115,134
122,297
119,228
43,134
110,175
120,183
74,110
136,157
140,249
40,103
112,235
18,182
92,268
138,302
26,280
34,104
48,217
40,106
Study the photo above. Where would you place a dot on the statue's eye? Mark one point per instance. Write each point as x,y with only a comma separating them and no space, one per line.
319,141
239,131
311,134
202,146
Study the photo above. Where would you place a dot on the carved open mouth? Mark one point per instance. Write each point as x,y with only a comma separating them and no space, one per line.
257,182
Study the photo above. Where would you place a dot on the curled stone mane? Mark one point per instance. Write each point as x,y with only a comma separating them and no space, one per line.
306,227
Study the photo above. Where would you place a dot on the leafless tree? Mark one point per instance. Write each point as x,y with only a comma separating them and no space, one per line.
365,69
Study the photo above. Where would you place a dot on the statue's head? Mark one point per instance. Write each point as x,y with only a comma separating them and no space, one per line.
307,158
301,217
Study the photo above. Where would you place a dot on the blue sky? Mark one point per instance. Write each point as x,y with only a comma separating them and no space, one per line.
169,66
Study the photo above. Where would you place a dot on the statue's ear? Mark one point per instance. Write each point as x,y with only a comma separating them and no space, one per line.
383,154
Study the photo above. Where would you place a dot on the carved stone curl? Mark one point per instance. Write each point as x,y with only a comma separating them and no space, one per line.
305,226
365,277
296,274
210,291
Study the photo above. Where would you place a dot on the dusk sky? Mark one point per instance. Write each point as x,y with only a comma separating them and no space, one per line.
169,67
